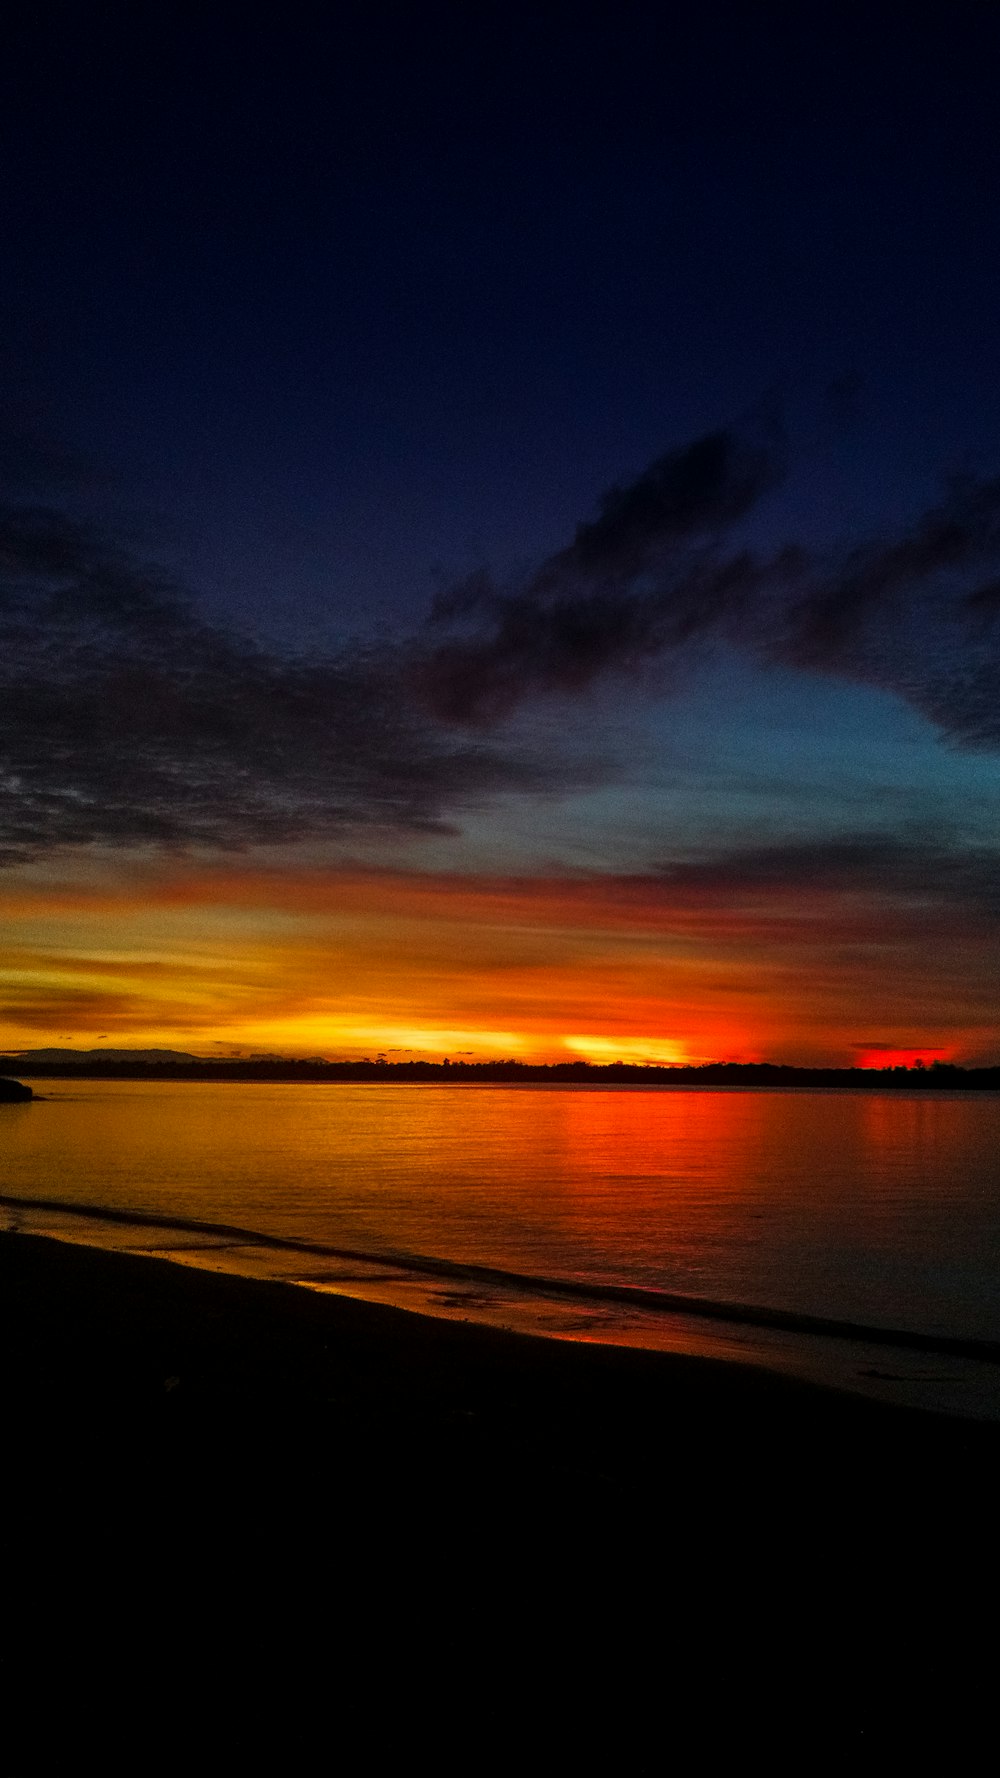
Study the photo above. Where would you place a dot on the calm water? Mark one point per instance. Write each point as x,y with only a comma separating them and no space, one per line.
883,1210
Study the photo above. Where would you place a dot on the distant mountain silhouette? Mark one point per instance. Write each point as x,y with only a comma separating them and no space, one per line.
73,1056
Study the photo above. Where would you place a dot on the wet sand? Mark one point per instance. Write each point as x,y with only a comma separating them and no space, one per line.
310,1524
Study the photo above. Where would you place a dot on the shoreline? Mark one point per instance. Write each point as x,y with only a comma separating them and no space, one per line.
314,1512
667,1302
847,1357
149,1315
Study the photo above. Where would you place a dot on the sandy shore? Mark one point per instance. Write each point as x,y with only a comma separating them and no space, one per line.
322,1516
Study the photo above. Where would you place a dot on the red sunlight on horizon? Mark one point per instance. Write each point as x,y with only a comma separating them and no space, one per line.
920,1056
350,964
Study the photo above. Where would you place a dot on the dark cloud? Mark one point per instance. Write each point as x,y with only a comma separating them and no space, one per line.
827,627
638,582
984,602
125,718
923,871
651,578
687,493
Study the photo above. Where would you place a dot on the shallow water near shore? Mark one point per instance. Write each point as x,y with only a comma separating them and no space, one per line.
578,1212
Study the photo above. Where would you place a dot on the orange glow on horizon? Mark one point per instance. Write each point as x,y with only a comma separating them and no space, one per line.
664,1051
349,963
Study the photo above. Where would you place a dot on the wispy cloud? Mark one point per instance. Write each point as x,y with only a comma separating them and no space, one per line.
125,718
929,875
926,880
785,950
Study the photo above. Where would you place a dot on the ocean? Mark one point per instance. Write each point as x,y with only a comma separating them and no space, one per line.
851,1238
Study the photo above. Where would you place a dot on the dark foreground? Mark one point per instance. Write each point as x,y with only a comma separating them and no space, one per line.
249,1526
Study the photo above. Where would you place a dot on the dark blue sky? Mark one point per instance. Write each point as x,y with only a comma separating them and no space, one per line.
643,342
338,310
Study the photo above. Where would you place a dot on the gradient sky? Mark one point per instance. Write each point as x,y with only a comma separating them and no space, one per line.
500,532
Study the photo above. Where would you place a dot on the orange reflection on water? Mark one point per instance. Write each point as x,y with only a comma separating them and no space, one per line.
868,1207
873,1208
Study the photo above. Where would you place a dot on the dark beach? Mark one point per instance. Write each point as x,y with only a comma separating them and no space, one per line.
315,1519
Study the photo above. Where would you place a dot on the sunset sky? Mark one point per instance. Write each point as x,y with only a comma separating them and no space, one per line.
500,533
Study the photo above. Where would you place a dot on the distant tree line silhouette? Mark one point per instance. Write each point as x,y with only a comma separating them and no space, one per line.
939,1076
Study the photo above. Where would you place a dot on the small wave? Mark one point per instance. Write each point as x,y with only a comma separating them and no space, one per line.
664,1302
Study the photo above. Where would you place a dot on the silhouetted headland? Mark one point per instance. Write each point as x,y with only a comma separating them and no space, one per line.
14,1092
